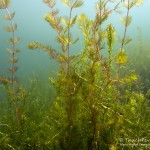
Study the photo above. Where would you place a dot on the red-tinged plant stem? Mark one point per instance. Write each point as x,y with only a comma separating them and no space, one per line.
13,63
69,101
126,25
122,45
100,22
13,48
68,44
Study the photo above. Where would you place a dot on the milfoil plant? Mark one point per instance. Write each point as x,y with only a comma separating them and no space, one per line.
15,94
93,98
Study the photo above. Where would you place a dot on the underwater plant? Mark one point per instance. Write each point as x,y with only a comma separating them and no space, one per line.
93,104
13,41
15,95
89,111
15,125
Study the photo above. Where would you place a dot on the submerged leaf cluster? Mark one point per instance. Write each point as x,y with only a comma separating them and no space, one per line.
90,104
4,4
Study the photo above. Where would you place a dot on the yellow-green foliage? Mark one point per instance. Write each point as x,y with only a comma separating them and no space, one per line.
88,105
4,4
121,57
110,37
94,104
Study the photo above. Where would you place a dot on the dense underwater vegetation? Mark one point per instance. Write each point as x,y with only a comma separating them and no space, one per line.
99,96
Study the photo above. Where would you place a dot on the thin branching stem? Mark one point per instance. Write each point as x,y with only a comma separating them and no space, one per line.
68,44
126,25
13,62
122,45
13,47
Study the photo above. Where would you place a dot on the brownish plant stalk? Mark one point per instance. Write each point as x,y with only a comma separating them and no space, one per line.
13,48
68,44
12,91
121,49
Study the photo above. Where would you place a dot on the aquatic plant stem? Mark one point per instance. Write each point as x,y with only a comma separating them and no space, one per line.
122,45
126,25
68,44
13,48
13,63
69,98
